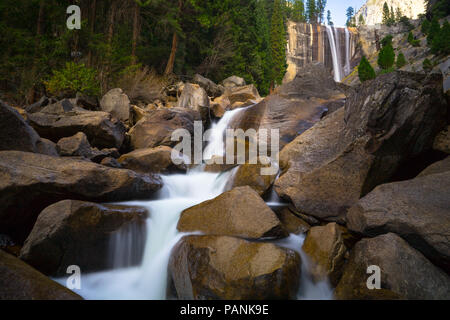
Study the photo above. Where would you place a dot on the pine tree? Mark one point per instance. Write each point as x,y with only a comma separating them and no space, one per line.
434,29
365,70
350,13
311,11
298,14
321,4
386,57
398,15
441,41
361,21
330,22
278,44
401,60
392,16
386,14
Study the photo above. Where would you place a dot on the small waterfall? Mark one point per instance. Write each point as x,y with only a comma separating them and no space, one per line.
334,55
338,52
347,53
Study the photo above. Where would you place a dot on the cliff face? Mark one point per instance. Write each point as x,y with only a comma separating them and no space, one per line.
336,48
372,11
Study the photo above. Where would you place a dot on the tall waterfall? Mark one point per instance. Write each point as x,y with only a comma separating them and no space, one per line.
347,66
334,54
181,191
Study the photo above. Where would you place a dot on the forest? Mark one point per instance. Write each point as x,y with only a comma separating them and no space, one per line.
150,40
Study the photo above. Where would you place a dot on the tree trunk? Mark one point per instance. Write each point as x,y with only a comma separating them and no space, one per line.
40,18
136,27
92,27
173,53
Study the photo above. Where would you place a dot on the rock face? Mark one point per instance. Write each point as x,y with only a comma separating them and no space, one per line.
294,107
157,127
405,272
418,210
30,182
155,160
206,267
325,247
16,134
101,130
348,153
78,233
309,43
195,97
239,212
437,167
372,10
442,141
18,281
117,103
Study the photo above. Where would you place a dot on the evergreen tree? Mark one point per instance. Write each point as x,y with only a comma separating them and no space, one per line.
386,14
321,4
426,24
441,41
401,60
298,14
278,44
434,29
386,57
398,15
350,13
330,22
392,16
365,70
311,11
361,20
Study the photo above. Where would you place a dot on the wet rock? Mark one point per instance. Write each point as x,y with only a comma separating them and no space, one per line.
156,128
30,182
206,267
291,222
325,247
348,153
220,105
155,160
242,94
79,233
240,212
101,130
418,210
19,281
252,176
117,103
405,272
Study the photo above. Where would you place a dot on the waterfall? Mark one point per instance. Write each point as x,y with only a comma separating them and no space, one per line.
334,55
148,281
347,53
338,52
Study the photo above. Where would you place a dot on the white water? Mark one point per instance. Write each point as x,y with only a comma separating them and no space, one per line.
347,53
334,55
149,280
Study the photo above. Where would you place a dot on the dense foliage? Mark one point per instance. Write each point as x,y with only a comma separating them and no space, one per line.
365,70
401,60
216,38
386,56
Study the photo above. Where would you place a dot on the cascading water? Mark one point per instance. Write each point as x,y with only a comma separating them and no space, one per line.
338,52
149,279
334,55
347,53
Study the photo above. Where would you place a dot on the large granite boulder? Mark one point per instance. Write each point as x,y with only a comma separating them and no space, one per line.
250,175
117,103
418,210
207,267
156,160
195,97
213,90
385,122
101,130
80,233
30,182
16,133
233,81
240,212
75,146
242,94
156,128
19,281
325,247
405,272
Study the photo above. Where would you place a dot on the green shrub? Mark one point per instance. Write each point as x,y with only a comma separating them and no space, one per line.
401,60
427,65
434,30
404,20
386,57
387,41
365,70
426,24
412,41
384,71
441,41
73,78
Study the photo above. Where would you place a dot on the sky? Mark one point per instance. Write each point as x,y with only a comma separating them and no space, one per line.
338,9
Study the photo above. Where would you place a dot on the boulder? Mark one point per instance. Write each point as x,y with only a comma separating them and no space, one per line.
79,233
212,89
137,114
291,222
45,146
156,128
101,130
16,134
343,157
405,272
233,81
155,160
19,281
250,175
77,145
325,247
437,167
442,141
117,103
240,212
36,107
220,105
30,182
194,97
207,268
87,102
60,107
242,94
418,210
111,162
